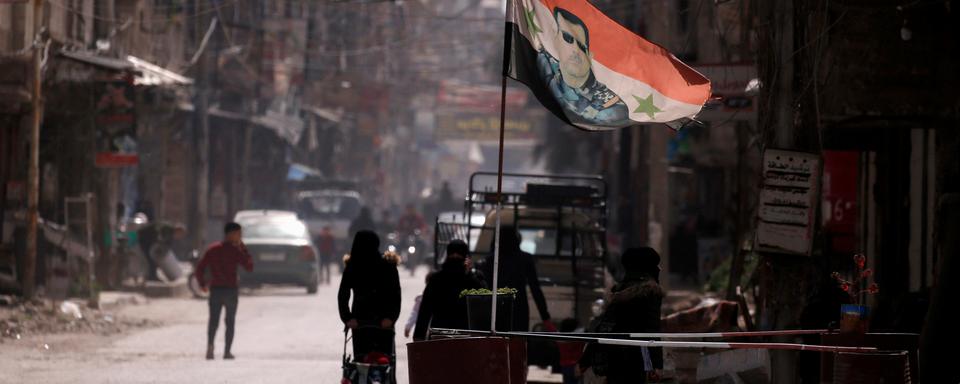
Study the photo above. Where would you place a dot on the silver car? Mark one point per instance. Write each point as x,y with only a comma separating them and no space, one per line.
282,249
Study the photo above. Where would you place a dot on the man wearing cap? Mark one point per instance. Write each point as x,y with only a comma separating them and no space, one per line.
441,305
633,307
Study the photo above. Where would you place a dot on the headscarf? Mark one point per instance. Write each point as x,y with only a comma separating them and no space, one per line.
640,262
366,248
509,241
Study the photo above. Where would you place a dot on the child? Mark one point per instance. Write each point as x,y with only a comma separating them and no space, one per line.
412,320
570,352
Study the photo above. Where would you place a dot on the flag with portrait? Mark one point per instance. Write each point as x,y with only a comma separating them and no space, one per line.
592,72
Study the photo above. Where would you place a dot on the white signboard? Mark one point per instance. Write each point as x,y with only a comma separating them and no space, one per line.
788,201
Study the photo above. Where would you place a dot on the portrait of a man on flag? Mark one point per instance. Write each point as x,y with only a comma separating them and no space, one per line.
570,77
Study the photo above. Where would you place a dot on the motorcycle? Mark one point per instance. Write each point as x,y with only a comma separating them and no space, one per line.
410,248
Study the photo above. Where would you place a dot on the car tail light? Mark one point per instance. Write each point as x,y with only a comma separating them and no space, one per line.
307,254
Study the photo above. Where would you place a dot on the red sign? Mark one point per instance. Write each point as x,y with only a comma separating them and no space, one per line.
840,200
116,160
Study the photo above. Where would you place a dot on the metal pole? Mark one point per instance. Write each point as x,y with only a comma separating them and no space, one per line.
94,296
507,32
33,170
496,234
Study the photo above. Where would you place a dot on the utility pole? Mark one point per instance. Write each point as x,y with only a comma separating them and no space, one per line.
201,145
33,171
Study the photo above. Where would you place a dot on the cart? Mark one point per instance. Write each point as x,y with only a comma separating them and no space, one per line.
378,366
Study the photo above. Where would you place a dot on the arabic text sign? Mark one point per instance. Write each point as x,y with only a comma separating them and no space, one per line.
788,198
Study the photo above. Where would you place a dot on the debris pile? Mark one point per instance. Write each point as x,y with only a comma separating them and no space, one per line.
18,319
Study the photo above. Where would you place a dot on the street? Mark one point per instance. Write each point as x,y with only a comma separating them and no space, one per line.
731,191
283,336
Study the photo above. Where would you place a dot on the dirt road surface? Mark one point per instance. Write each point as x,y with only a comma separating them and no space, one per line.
283,336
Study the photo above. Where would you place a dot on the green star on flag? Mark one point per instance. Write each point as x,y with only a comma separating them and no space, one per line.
529,15
645,105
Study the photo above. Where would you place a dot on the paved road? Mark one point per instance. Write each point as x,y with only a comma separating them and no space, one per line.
283,336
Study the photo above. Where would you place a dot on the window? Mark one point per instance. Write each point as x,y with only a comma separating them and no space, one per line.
274,229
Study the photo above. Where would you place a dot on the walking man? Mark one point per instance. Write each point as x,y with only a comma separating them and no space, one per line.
223,258
326,244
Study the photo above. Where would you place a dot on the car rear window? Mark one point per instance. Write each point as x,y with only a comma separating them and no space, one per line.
330,206
274,229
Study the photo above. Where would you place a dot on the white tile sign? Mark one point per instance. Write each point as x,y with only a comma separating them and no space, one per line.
788,198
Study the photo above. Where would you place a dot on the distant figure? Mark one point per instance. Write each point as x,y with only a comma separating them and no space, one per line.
518,271
385,225
363,222
412,319
222,259
326,245
410,222
147,236
442,306
633,307
570,352
372,279
445,200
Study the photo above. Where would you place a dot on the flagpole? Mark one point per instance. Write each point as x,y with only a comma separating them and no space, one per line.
507,48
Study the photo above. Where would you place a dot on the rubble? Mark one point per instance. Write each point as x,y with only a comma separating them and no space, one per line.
19,319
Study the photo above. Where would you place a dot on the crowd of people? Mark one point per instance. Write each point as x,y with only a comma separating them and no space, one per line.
371,280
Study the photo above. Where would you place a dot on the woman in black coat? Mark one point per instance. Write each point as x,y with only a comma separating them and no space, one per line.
441,305
373,280
633,307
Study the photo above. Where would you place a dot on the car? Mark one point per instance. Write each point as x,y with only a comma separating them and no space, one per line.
282,249
331,208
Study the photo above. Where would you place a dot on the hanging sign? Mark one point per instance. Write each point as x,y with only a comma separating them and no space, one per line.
788,201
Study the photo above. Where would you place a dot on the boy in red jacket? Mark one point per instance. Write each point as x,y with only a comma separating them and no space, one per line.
223,258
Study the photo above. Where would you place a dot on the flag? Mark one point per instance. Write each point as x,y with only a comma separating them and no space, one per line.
593,73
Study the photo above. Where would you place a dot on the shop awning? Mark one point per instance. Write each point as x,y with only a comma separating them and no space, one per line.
288,128
144,72
151,74
329,114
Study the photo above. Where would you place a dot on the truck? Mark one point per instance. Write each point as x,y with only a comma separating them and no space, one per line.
562,221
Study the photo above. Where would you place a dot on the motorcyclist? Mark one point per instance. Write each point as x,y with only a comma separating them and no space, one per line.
410,222
410,229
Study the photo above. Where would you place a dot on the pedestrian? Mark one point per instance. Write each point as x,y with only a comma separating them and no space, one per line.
570,352
363,222
223,258
412,319
147,236
442,306
633,307
326,245
445,199
372,279
518,271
